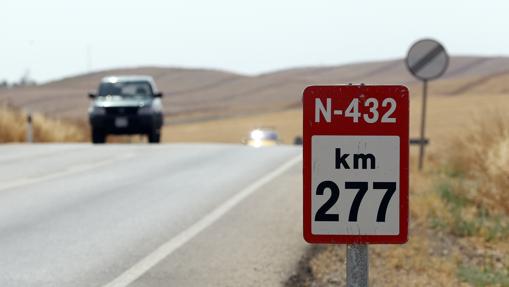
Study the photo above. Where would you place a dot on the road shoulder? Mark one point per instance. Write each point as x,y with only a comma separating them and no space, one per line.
258,243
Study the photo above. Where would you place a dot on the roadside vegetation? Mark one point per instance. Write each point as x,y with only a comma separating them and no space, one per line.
13,128
459,221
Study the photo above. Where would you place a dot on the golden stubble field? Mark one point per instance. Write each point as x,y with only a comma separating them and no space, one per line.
447,116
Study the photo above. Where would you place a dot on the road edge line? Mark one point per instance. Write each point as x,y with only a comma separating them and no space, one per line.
167,248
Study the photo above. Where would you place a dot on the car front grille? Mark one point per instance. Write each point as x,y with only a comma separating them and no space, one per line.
121,111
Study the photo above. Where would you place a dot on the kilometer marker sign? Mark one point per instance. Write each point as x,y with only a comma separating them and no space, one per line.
356,164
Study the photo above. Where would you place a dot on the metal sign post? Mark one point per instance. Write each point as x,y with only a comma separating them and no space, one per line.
30,133
357,265
422,144
355,169
426,60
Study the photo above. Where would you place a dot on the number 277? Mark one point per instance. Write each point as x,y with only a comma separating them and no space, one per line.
361,187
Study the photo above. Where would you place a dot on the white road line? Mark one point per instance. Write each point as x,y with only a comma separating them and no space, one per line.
163,251
63,173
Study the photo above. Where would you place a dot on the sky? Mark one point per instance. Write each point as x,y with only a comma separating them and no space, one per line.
51,39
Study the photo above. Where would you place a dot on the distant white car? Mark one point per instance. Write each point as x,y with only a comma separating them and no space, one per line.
262,137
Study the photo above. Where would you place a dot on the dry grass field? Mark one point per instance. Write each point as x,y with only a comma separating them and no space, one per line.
13,128
234,129
201,94
447,116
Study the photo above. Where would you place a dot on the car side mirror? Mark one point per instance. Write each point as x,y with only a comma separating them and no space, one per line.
92,95
158,95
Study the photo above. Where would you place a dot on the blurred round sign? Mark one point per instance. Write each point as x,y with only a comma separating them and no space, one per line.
427,59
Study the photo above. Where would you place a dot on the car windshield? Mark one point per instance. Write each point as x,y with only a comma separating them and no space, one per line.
126,89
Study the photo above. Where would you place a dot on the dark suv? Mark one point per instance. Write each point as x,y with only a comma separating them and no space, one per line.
126,105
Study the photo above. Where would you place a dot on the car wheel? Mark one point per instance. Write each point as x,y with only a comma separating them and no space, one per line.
154,136
98,136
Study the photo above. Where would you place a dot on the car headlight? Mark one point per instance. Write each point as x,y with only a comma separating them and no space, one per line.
98,110
145,110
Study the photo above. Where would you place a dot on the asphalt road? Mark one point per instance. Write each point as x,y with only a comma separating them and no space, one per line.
147,215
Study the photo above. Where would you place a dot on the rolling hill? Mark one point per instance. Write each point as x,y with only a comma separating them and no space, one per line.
200,94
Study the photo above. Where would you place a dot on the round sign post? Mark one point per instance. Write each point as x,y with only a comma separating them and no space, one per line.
426,60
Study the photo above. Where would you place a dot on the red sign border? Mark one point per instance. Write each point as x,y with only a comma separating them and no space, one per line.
400,238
